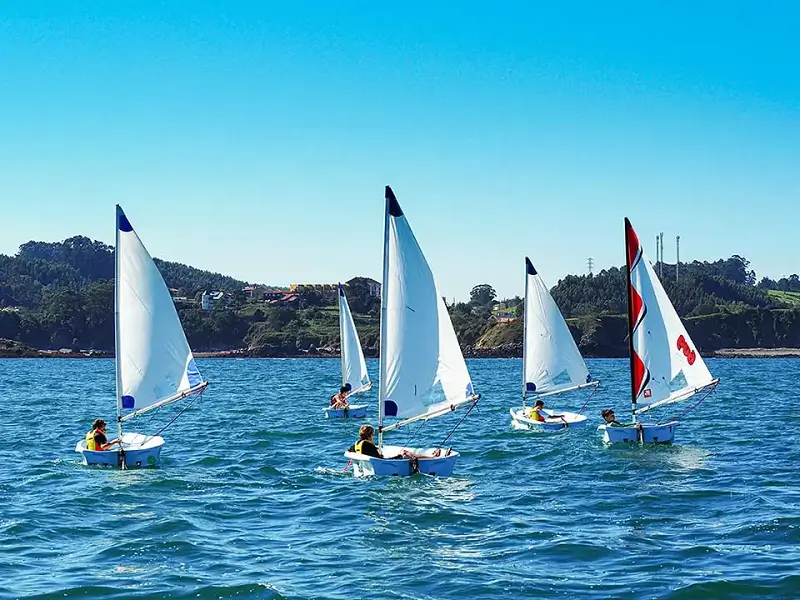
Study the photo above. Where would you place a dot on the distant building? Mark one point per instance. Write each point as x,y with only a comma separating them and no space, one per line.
313,287
373,286
274,293
288,300
259,293
503,317
209,299
253,292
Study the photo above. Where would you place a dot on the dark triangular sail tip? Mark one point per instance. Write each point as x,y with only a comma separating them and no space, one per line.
122,221
392,204
628,223
529,266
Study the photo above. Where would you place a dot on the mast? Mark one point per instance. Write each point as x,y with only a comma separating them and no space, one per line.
341,334
528,268
389,197
628,263
117,355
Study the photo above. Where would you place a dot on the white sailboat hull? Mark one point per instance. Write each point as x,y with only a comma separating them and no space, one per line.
369,466
140,451
642,433
354,411
521,420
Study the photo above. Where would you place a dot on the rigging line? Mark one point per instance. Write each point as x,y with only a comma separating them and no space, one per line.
153,414
594,391
185,408
150,422
695,405
413,434
469,410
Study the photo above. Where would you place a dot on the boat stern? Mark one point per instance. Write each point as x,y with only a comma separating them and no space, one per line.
354,411
435,466
662,433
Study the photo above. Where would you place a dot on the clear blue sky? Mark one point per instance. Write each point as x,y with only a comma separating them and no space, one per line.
255,138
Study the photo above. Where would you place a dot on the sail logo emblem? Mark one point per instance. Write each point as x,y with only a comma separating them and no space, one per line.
648,392
683,346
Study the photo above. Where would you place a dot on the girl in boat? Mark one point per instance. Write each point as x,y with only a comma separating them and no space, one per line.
96,438
536,412
366,446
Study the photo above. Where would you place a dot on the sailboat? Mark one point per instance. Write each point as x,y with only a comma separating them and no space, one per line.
665,365
423,374
354,367
154,365
551,361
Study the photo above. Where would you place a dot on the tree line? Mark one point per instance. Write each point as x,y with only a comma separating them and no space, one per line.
61,295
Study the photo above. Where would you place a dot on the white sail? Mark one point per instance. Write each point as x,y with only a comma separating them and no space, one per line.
354,367
423,373
665,363
552,362
154,363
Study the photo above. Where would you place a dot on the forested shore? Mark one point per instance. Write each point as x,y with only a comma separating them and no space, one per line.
57,299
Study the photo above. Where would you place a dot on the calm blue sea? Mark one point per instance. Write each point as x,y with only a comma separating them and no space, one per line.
251,501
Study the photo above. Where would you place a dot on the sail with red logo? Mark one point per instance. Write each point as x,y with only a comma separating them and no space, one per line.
665,365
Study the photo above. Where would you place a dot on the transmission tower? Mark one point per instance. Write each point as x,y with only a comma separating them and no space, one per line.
590,264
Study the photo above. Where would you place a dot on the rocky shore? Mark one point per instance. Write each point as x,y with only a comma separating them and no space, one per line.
13,349
756,353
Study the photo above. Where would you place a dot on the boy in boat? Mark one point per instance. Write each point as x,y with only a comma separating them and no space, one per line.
339,401
366,446
610,419
96,438
536,414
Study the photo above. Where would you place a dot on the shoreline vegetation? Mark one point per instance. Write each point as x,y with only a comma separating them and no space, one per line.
57,300
11,349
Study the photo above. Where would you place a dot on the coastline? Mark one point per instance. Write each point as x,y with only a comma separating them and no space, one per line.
16,350
755,353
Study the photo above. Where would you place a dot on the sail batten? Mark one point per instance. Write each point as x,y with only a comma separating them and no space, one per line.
354,367
154,363
551,359
661,351
423,372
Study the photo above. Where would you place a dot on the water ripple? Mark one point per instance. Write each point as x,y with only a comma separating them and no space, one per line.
253,502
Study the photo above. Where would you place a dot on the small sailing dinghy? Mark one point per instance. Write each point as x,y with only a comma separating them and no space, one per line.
422,370
354,367
154,365
665,365
551,361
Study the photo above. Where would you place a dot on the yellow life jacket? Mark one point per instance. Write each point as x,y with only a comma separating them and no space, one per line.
90,444
536,415
359,445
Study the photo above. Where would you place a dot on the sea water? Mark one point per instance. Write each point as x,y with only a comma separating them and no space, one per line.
253,501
